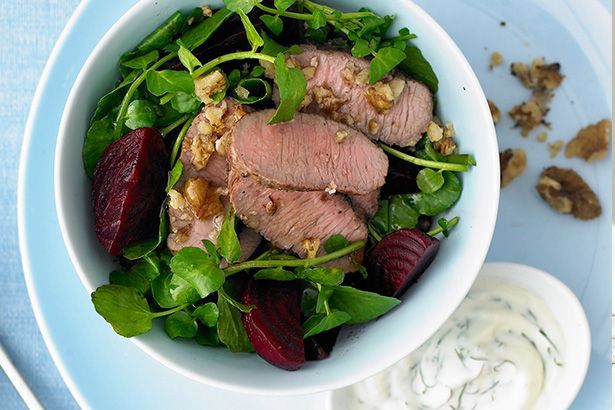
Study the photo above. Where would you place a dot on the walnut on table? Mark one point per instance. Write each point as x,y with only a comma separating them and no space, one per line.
512,164
566,192
495,111
591,142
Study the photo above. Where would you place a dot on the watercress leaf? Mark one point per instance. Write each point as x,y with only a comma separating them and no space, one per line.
163,34
283,5
110,101
324,276
321,323
254,38
230,327
180,324
464,159
425,150
417,66
273,23
207,336
194,266
309,297
271,47
361,48
143,61
440,200
228,243
318,36
385,60
166,115
235,303
335,243
401,214
99,136
380,220
292,87
429,181
144,247
245,6
371,24
319,20
152,265
323,296
165,81
211,250
186,57
252,90
362,306
200,33
279,273
140,113
174,175
124,308
185,103
207,313
131,277
257,71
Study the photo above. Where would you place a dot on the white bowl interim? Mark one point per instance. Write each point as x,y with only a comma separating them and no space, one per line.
568,313
362,350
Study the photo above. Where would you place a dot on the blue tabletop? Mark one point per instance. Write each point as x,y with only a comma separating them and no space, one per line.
28,31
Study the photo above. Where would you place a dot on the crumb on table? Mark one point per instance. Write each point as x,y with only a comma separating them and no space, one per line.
495,111
555,148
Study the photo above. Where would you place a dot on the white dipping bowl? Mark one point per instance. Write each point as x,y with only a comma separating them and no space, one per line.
566,310
362,350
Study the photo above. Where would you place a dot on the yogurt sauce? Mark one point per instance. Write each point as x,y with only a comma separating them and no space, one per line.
501,349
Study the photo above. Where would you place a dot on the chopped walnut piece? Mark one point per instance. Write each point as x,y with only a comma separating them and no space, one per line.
326,100
308,72
591,142
341,136
214,114
495,60
566,192
207,11
538,76
449,130
271,207
311,246
363,76
434,132
373,126
380,96
176,200
204,199
331,188
555,148
542,137
397,87
208,85
527,115
446,146
512,164
349,74
495,111
269,68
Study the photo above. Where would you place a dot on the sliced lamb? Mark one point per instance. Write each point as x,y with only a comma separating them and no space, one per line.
308,153
396,110
202,151
365,205
292,220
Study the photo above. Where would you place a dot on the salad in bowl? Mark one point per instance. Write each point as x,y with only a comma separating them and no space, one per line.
266,175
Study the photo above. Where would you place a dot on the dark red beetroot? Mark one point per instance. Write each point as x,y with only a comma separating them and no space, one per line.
128,188
398,260
274,324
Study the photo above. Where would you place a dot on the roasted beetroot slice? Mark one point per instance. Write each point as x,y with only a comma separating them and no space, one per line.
319,347
128,188
274,324
399,259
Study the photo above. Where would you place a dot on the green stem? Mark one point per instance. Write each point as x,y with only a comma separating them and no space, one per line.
174,125
439,229
325,303
180,138
240,55
307,17
171,311
261,264
424,162
119,120
372,232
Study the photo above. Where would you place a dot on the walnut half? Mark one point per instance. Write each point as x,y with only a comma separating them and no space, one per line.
512,164
566,192
591,143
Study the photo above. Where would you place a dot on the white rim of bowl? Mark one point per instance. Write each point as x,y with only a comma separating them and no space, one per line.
488,219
